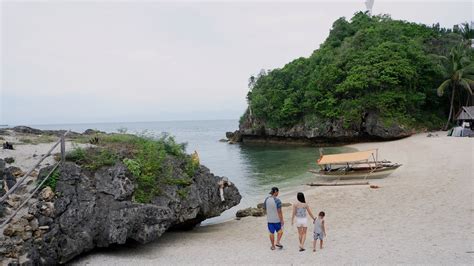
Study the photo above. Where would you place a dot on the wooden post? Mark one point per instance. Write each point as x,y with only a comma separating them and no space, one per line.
63,148
21,180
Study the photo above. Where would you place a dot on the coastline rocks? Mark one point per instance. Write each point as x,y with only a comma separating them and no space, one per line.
234,137
92,132
319,131
256,212
35,131
27,130
284,204
96,210
9,160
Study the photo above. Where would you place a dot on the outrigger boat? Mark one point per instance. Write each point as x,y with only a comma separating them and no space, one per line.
354,165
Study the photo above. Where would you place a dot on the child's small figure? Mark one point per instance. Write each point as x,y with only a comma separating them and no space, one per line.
319,230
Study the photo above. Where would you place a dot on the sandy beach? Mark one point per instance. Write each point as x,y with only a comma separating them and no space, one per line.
421,214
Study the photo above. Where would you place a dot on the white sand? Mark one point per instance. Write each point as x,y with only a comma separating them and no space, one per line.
27,155
423,213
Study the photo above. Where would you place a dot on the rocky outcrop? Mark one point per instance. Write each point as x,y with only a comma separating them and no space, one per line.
256,212
234,137
35,131
92,132
89,210
320,131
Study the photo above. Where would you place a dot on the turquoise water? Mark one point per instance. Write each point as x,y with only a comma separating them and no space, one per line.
253,168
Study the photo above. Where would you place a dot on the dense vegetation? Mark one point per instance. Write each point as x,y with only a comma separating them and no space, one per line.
367,64
153,162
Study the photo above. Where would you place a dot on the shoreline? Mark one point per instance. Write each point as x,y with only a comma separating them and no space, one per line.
398,223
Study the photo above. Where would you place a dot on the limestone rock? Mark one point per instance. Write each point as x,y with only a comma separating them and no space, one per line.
96,210
317,131
27,130
284,204
92,132
28,217
115,181
250,212
15,228
234,137
47,194
16,172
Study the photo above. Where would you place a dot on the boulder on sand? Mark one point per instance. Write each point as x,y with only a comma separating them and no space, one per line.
96,210
256,212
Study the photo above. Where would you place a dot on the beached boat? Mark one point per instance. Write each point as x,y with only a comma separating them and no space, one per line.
354,165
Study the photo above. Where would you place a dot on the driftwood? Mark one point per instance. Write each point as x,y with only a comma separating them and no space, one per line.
338,184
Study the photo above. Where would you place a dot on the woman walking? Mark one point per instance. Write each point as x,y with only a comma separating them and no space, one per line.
300,208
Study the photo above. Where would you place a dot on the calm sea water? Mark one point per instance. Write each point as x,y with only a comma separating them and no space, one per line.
253,168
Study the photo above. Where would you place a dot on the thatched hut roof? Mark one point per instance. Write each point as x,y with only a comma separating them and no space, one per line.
466,113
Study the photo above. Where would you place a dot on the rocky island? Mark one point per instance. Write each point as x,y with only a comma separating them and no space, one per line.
115,189
374,78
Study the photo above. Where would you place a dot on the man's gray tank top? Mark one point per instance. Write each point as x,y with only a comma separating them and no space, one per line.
272,205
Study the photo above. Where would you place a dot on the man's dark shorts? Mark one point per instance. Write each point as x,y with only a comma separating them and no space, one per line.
274,227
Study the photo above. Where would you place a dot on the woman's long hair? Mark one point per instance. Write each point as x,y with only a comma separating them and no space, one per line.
300,197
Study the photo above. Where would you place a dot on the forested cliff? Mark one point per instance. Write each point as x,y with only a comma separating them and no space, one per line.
373,77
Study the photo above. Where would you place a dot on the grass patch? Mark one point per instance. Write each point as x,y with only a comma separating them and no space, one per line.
183,193
38,139
52,180
151,160
92,158
178,181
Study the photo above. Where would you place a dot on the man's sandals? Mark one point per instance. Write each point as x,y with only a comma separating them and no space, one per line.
278,245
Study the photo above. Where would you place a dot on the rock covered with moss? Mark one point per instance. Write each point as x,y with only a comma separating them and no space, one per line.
133,188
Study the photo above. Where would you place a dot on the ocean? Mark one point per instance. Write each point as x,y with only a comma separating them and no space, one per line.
253,168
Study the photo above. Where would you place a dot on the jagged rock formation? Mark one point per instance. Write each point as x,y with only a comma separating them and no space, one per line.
252,129
97,209
35,131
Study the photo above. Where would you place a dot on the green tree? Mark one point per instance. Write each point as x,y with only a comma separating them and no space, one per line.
466,32
459,71
367,64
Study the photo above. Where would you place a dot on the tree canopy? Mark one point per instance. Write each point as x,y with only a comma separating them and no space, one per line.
370,63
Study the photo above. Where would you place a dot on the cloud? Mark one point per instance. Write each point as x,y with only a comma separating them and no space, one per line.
145,60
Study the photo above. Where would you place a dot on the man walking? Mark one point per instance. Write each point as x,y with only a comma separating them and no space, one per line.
274,217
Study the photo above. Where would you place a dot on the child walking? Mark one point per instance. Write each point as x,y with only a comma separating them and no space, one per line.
319,230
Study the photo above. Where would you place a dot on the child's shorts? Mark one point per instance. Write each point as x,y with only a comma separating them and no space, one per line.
319,236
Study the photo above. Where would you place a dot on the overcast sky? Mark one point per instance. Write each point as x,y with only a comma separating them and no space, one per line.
110,61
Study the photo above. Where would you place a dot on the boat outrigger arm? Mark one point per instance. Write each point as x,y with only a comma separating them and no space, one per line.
362,164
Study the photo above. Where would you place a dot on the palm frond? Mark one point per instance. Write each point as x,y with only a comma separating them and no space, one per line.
469,69
443,87
466,84
439,57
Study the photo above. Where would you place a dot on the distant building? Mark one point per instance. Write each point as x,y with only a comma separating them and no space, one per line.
466,114
472,28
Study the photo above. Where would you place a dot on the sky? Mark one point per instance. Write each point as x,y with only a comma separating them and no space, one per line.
123,61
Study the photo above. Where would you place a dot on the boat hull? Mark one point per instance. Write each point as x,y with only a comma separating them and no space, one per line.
357,173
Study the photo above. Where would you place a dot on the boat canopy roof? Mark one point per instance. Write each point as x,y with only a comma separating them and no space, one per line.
347,157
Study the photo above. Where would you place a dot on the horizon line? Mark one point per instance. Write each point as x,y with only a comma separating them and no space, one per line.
116,122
